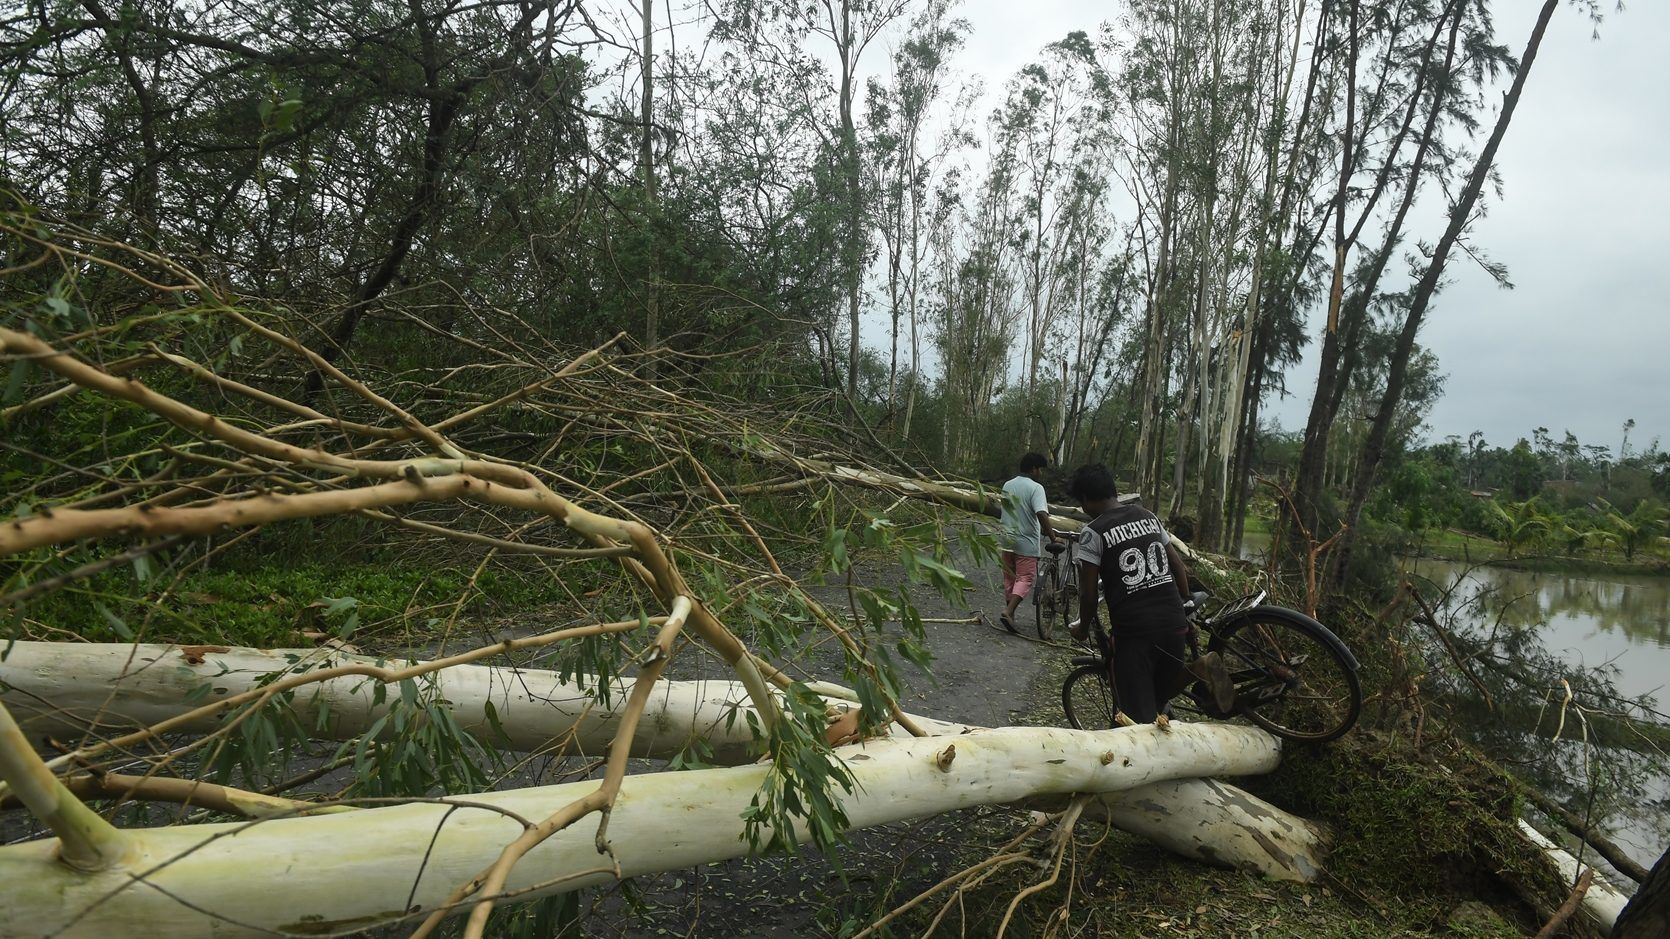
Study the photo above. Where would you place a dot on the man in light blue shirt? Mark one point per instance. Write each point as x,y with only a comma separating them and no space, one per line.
1026,524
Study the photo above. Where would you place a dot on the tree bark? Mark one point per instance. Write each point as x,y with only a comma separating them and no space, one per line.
1461,213
352,870
646,162
1647,915
1218,824
67,689
1603,902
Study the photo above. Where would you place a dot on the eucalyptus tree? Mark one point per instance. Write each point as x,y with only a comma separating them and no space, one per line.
976,284
1052,122
1462,212
1156,45
1241,82
903,173
781,31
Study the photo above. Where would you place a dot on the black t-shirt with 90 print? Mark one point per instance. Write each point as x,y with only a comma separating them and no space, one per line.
1129,546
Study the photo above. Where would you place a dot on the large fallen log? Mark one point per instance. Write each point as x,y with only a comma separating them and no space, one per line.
1602,902
1216,823
67,689
352,870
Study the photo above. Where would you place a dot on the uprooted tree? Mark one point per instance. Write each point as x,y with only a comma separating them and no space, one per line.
202,725
641,504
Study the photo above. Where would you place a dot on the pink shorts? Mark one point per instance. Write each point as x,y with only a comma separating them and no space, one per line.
1018,574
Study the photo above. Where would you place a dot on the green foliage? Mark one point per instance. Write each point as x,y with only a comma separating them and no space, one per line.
1522,524
1638,528
271,605
1415,828
798,792
415,746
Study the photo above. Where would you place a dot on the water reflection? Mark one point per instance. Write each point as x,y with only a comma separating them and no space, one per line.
1637,608
1621,620
1590,620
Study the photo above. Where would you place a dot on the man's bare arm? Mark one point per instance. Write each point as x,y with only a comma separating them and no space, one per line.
1179,571
1089,593
1044,526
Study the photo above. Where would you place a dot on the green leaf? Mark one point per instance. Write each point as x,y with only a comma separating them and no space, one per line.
15,381
116,622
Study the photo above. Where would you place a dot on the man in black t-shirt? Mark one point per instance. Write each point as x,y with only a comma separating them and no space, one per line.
1128,553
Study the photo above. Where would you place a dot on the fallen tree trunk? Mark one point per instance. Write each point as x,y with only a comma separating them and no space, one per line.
70,689
1602,902
1218,824
1604,846
67,689
350,871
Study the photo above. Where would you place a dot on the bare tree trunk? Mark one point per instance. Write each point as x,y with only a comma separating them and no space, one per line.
646,163
361,865
1461,213
1647,915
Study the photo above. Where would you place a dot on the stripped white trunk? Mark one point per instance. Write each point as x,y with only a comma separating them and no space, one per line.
64,689
351,870
1218,824
1603,902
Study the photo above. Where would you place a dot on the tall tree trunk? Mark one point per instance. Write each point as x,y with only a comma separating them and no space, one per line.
1648,914
1314,451
1374,447
646,164
1341,352
1155,348
853,185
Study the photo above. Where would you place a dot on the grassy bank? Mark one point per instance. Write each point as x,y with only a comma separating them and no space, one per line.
1469,548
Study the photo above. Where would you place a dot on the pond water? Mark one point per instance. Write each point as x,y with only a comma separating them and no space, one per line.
1592,619
1618,620
1615,620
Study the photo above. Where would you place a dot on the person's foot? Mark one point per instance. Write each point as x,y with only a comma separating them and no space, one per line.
1008,623
1210,669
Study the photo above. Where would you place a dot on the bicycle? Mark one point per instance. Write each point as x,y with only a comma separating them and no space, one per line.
1292,675
1055,593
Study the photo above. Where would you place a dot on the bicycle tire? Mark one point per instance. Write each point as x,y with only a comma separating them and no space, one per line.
1046,596
1293,677
1068,598
1096,702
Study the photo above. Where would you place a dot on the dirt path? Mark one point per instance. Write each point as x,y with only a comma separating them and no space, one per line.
980,675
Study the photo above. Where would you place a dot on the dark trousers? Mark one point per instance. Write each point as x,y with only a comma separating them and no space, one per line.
1145,668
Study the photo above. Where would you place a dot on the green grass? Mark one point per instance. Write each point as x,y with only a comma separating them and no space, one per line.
273,605
1456,545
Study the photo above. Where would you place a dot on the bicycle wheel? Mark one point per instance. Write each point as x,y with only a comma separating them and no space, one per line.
1046,596
1087,697
1067,604
1289,677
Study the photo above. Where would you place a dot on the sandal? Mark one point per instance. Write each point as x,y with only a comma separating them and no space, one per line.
1007,623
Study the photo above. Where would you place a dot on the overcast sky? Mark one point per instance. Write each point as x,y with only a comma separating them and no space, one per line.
1583,341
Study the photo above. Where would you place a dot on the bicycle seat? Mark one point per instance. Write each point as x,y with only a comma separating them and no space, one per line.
1055,547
